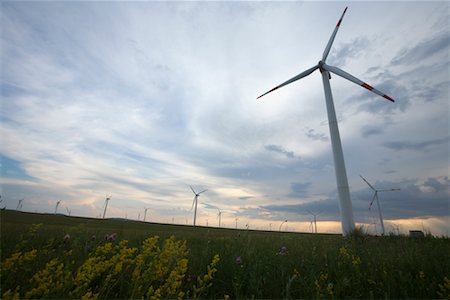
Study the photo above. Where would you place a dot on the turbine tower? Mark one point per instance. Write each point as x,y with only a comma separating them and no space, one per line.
195,202
106,205
68,211
314,220
219,215
145,212
279,229
375,196
345,205
57,204
19,205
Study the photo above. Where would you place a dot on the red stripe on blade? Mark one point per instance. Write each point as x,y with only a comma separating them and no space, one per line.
389,98
365,85
339,23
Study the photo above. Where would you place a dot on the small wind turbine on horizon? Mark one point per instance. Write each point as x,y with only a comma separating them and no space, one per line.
219,215
106,205
375,196
145,213
195,202
345,205
57,204
314,220
279,229
19,205
68,211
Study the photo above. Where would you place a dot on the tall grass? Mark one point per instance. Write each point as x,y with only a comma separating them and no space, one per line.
262,265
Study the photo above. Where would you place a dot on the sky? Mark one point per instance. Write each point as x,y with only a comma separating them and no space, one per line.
140,100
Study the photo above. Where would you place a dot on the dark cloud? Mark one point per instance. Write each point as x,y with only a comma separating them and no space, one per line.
423,50
280,149
368,131
246,197
375,104
353,49
418,146
328,209
414,200
312,134
299,189
437,185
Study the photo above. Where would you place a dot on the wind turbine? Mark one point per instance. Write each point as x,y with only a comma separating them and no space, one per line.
345,205
279,229
68,211
57,204
219,215
195,202
375,196
236,222
314,220
106,205
19,205
145,212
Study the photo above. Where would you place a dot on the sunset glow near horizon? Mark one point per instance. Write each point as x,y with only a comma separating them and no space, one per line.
140,100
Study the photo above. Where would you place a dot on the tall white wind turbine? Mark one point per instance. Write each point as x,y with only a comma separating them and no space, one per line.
57,204
345,205
106,205
195,202
375,197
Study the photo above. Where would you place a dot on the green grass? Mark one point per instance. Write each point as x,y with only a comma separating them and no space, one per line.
315,265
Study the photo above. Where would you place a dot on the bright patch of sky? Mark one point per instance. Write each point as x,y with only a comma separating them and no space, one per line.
140,100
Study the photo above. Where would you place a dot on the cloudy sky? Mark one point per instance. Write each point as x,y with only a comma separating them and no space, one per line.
140,100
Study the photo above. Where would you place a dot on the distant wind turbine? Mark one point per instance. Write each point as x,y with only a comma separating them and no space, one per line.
375,196
68,211
195,202
314,220
19,205
347,221
106,205
57,204
236,222
279,229
145,213
219,215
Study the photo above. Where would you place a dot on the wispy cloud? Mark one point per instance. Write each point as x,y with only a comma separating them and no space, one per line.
417,146
423,50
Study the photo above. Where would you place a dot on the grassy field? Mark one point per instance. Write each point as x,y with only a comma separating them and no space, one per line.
69,257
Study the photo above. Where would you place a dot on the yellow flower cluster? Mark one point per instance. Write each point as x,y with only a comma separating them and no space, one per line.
110,271
107,261
323,286
52,277
347,257
206,282
18,258
444,289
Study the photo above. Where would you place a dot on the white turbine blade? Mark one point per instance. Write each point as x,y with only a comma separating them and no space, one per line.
367,183
389,190
352,78
295,78
195,197
202,192
371,202
193,190
333,35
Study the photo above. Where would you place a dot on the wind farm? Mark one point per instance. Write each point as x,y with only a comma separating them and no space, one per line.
220,187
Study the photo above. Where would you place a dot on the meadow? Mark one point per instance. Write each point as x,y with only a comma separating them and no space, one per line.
60,257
